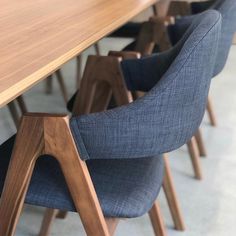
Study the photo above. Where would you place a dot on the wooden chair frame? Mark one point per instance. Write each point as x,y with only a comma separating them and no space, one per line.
61,82
13,109
50,134
111,81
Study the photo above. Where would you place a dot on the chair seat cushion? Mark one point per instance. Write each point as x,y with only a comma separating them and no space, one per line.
125,188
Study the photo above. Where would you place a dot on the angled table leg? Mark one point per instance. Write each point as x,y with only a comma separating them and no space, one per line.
200,143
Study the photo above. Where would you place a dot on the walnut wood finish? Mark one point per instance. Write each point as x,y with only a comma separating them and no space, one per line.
161,7
200,143
49,135
21,102
62,85
194,154
169,189
157,220
102,76
14,113
50,33
78,70
48,85
49,216
210,112
179,8
13,109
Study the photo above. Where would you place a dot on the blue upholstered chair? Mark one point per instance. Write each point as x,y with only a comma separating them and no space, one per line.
227,8
122,147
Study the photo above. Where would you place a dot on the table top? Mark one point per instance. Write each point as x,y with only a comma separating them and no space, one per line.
38,36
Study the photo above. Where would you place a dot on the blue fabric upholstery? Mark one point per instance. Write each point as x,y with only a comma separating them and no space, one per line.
169,114
227,8
125,188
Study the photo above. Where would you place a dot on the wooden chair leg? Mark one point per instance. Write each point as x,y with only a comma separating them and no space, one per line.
200,143
194,154
61,214
97,49
210,112
22,104
19,174
78,70
157,220
14,114
62,85
112,224
48,85
48,218
49,134
171,196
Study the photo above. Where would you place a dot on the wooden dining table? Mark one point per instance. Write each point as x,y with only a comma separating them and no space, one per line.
39,36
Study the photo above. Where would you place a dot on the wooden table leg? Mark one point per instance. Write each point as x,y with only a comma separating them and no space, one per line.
48,218
48,85
200,143
62,85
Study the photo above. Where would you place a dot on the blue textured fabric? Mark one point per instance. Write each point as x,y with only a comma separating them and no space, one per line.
125,188
227,8
169,114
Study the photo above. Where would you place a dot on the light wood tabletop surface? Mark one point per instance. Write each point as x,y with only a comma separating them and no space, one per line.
38,36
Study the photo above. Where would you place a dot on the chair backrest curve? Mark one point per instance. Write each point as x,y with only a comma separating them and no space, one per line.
167,116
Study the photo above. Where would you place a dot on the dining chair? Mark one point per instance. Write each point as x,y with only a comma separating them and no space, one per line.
227,9
176,31
147,35
111,161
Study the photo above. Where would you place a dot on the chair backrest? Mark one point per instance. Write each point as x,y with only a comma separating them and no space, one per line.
167,116
227,8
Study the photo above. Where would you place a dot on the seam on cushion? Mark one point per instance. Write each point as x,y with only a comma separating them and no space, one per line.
78,140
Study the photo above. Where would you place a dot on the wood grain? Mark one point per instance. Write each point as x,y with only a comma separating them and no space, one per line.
38,36
49,134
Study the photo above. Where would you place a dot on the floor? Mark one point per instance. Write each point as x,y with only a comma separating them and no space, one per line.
208,206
